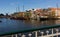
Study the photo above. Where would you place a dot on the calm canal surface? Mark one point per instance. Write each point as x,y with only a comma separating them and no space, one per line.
8,25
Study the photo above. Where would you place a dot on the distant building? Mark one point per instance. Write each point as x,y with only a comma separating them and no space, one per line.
56,11
36,13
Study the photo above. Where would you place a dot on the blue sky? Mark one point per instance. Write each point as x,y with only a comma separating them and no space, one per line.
9,6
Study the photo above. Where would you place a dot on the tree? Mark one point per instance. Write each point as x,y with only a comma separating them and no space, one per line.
32,9
1,14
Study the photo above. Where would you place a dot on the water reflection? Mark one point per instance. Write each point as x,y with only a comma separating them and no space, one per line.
23,24
37,23
30,22
57,21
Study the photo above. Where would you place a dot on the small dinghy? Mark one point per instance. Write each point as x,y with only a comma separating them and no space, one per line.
0,21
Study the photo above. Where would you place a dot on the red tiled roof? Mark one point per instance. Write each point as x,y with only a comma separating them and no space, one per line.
54,8
38,10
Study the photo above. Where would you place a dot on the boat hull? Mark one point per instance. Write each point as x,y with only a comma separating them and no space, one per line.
49,19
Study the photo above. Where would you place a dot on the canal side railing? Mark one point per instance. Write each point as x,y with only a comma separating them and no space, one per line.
45,31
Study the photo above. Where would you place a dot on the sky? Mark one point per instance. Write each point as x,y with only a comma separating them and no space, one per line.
11,6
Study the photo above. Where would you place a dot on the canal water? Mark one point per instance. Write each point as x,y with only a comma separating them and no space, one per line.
8,25
26,23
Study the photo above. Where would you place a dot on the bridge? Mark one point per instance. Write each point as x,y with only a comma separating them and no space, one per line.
44,31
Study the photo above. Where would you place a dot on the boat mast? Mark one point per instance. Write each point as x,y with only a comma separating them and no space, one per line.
23,8
18,8
57,9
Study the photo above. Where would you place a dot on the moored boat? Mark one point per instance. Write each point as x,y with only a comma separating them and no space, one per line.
48,18
44,18
0,21
18,18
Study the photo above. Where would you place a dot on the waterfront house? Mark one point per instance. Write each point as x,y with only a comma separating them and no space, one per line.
55,12
30,14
